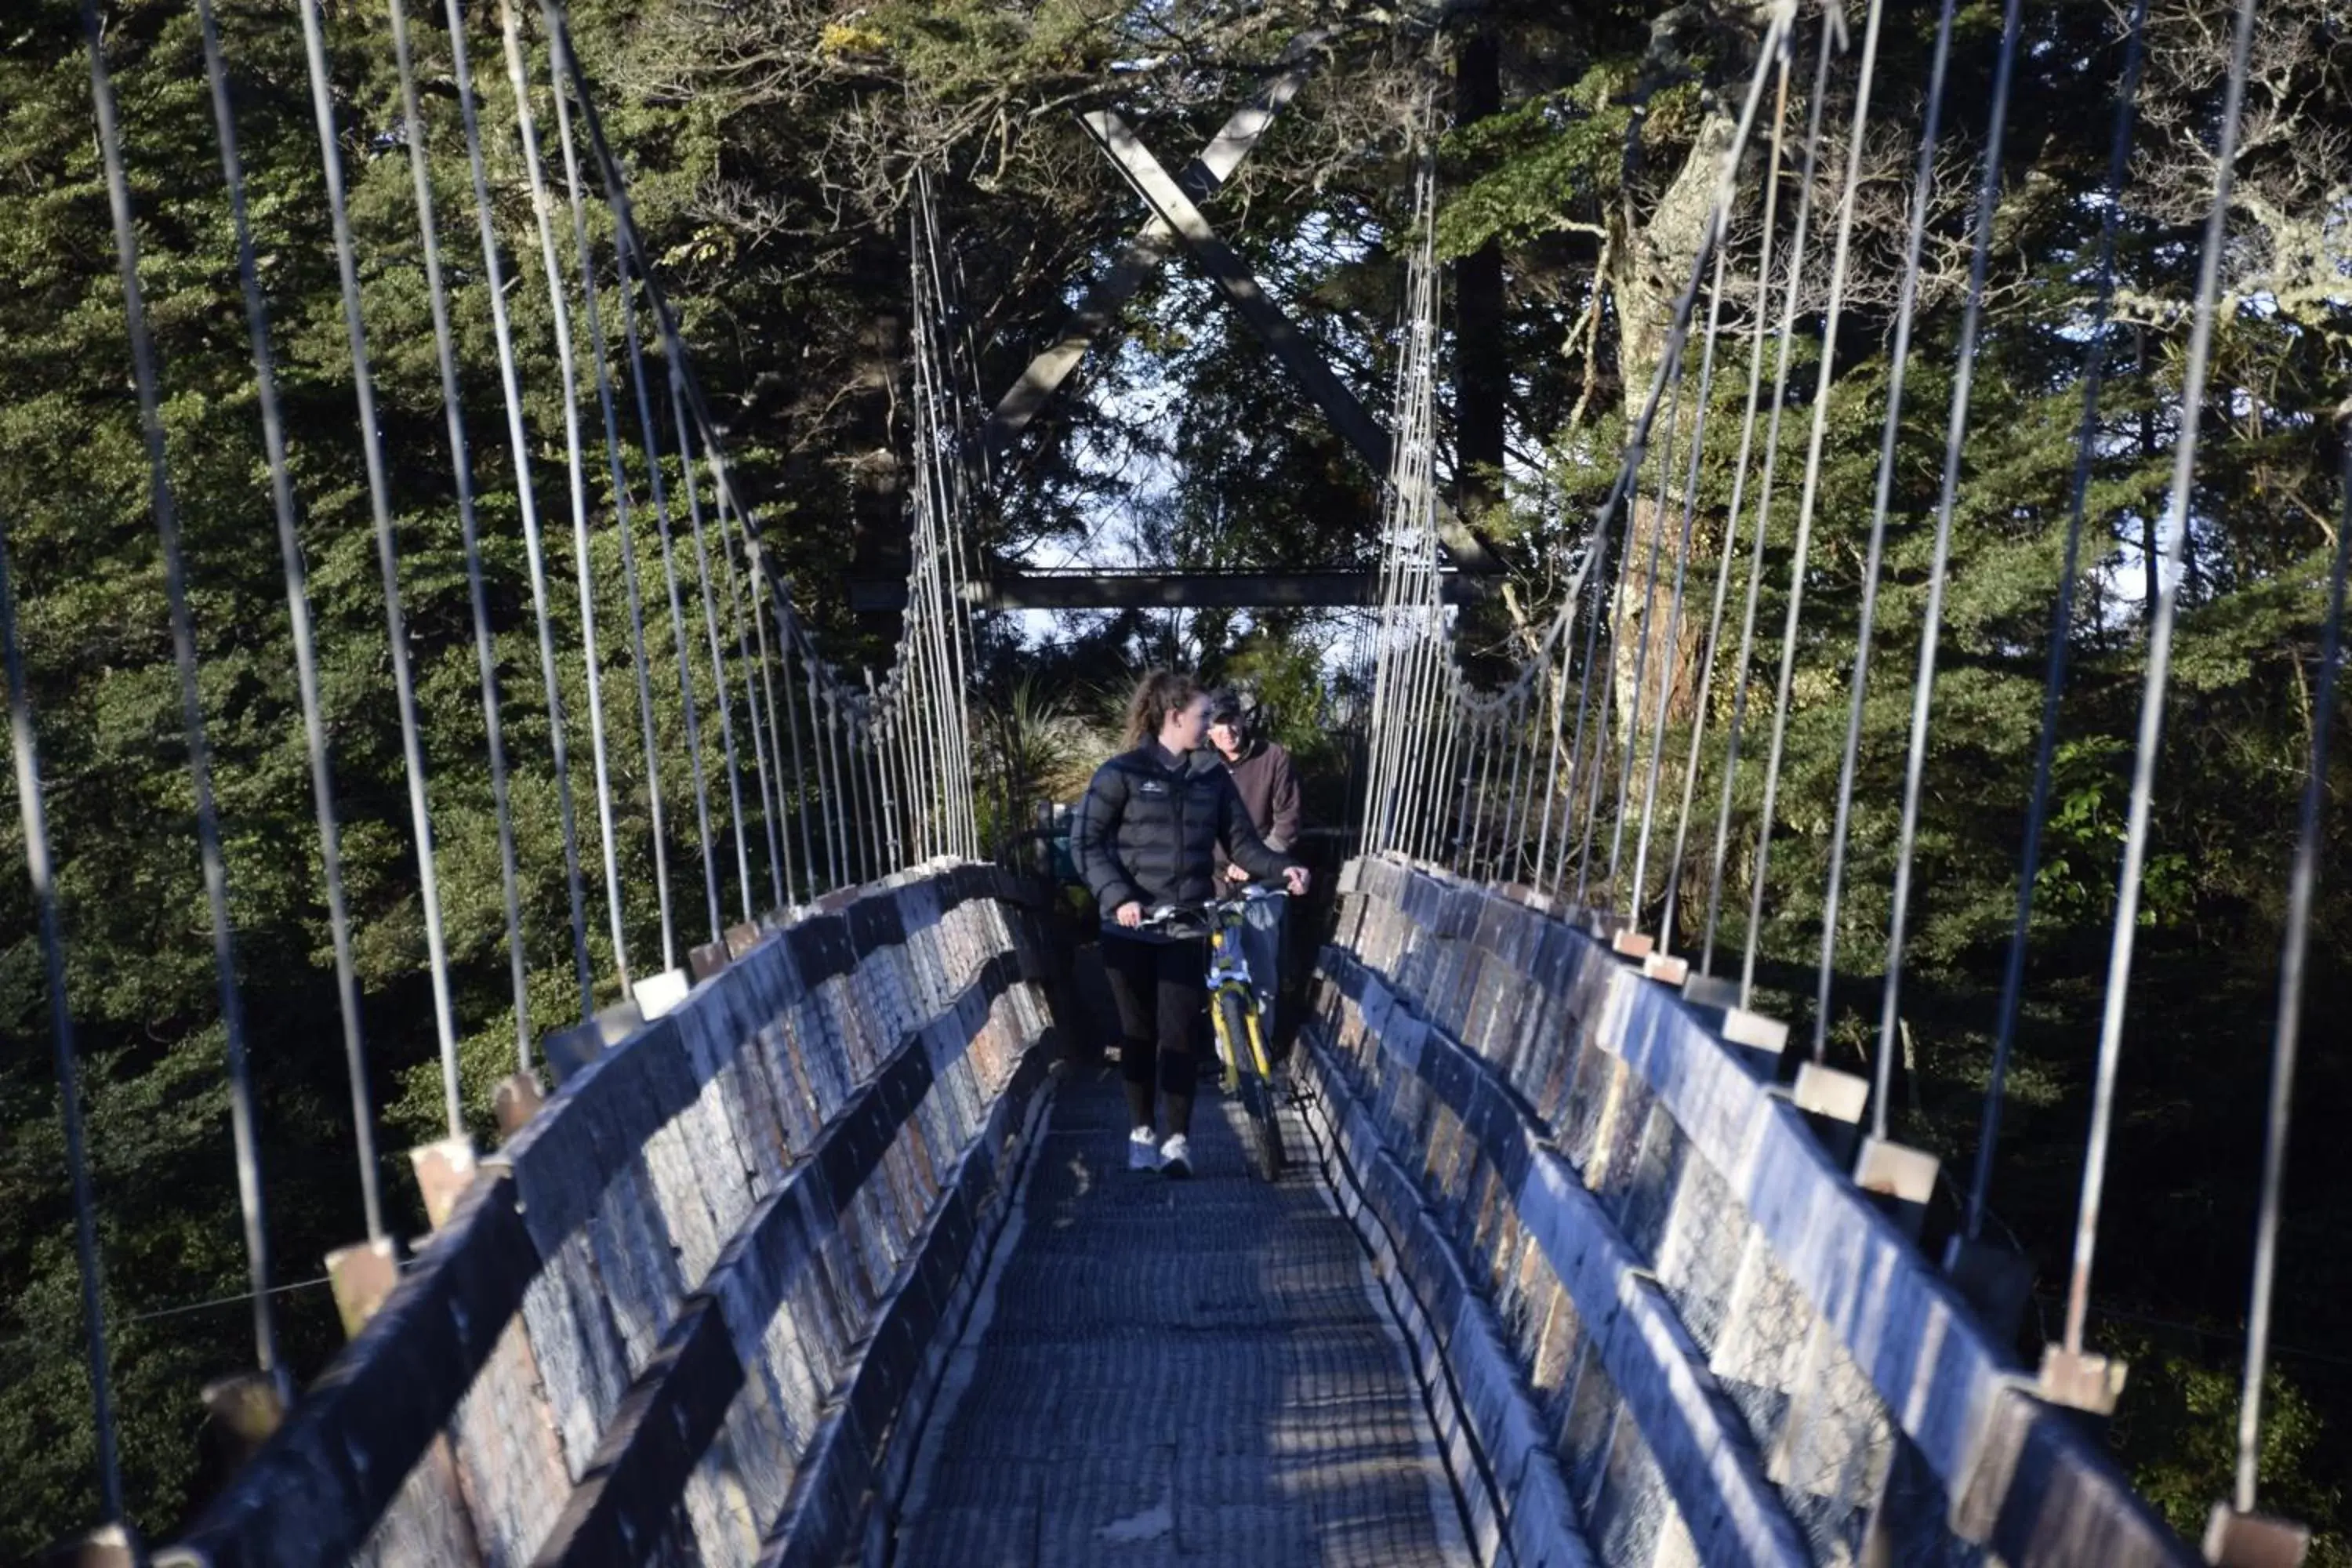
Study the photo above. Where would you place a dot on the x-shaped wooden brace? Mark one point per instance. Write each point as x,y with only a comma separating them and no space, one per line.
1200,179
1174,203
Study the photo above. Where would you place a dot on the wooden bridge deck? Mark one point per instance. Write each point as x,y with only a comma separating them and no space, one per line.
1164,1372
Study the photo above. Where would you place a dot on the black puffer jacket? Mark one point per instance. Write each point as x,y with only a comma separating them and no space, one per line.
1149,829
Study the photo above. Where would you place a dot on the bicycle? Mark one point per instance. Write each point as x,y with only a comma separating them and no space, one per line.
1234,1012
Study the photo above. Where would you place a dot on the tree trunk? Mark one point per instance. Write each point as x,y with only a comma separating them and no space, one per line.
1653,267
1478,370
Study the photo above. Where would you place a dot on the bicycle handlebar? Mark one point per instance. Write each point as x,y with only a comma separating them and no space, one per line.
1167,916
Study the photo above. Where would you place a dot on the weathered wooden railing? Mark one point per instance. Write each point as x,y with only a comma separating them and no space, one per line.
687,1311
1667,1324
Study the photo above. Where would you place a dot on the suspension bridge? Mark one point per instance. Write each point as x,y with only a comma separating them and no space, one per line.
810,1241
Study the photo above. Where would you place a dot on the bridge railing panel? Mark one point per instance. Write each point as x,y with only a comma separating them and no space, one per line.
1693,1290
684,1311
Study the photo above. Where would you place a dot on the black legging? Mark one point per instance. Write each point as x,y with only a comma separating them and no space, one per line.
1160,987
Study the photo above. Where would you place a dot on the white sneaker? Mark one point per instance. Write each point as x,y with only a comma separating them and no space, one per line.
1176,1157
1142,1150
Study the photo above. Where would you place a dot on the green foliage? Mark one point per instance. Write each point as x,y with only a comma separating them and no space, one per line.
2177,1431
771,150
1570,140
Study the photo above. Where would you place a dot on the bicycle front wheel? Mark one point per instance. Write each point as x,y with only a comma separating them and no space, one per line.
1238,1024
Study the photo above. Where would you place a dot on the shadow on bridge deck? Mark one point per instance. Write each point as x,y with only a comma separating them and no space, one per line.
1169,1372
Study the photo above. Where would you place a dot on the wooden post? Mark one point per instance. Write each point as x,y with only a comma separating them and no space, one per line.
361,1277
442,1171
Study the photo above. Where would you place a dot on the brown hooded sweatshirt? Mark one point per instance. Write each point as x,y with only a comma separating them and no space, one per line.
1269,788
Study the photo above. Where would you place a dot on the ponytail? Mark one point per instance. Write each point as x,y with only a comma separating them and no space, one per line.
1156,695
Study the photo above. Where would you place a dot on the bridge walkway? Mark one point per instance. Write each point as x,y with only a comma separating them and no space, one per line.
1166,1372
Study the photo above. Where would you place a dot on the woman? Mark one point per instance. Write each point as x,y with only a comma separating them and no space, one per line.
1147,834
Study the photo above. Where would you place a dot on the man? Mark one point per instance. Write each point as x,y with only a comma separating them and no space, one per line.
1268,786
1262,771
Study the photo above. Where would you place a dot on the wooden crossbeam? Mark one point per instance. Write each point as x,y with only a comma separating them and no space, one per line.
1156,590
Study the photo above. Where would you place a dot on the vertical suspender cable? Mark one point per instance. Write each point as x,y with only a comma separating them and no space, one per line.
1625,486
1675,603
242,1129
1509,869
828,797
461,467
755,673
566,65
860,818
756,572
1840,254
800,775
403,683
1923,186
306,653
519,80
2086,433
1600,653
2286,1028
1552,696
1924,685
843,801
885,756
2197,369
526,496
718,657
61,1036
1808,167
669,568
600,358
1731,515
1632,906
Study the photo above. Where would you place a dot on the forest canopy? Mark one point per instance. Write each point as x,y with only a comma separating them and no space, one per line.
776,155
